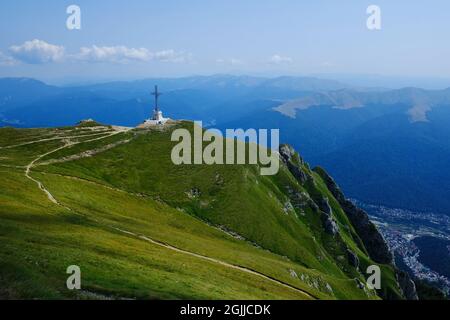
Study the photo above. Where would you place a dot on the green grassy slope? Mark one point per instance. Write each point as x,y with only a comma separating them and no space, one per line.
141,227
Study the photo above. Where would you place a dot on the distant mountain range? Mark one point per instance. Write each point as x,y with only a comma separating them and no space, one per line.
31,103
385,147
389,147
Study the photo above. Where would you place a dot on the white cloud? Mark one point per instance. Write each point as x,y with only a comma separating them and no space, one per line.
112,54
278,59
41,52
37,52
171,56
232,61
122,54
7,60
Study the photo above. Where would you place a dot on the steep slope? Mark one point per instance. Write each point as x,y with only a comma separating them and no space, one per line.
110,200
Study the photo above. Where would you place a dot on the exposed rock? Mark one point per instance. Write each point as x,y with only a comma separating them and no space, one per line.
193,193
293,273
219,179
407,285
329,224
231,233
324,205
300,200
288,207
287,152
373,241
293,162
359,284
353,259
313,205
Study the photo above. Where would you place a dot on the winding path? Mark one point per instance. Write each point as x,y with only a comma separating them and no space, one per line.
53,139
226,264
32,163
150,240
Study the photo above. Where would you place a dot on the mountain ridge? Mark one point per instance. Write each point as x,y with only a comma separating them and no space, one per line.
117,187
325,135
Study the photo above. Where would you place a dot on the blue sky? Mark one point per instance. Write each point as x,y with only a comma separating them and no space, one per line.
138,39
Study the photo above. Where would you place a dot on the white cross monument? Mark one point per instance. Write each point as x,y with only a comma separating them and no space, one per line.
157,118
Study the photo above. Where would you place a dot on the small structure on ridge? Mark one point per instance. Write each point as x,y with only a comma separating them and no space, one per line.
157,118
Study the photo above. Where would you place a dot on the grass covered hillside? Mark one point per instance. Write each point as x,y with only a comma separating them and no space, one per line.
110,200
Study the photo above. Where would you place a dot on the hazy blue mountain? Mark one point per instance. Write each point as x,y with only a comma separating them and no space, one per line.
387,147
31,103
16,92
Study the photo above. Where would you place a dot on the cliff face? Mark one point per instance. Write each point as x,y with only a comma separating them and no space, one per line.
372,242
407,285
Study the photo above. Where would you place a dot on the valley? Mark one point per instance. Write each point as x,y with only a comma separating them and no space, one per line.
419,241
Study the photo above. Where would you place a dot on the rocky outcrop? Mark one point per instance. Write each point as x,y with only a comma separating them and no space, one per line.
330,225
295,165
359,284
194,193
352,258
293,162
373,241
407,285
324,206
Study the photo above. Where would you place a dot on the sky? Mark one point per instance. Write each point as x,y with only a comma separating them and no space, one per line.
151,38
